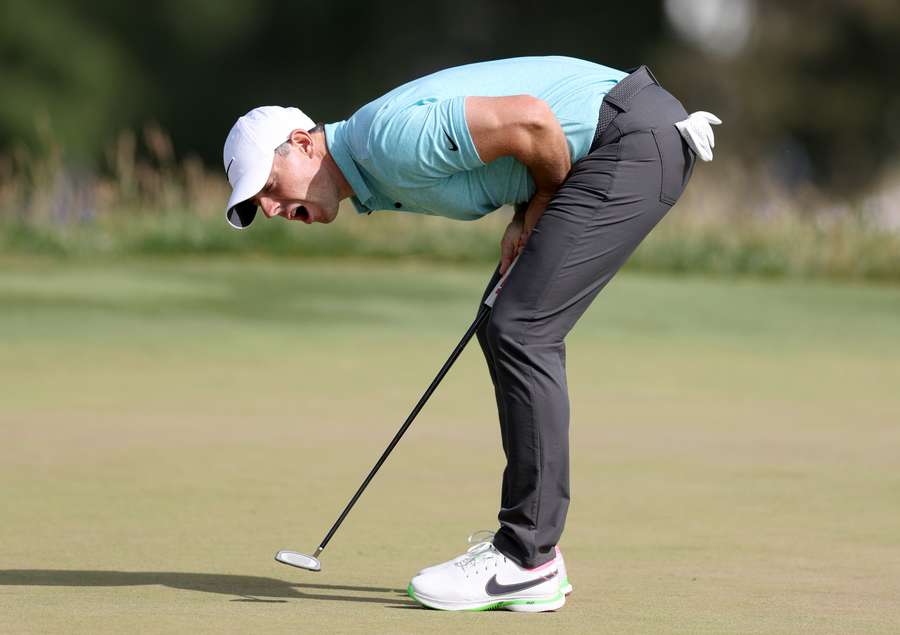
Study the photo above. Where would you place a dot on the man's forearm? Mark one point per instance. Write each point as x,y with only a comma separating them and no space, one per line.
548,162
525,128
519,211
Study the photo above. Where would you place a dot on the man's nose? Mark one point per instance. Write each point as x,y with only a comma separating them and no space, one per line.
269,207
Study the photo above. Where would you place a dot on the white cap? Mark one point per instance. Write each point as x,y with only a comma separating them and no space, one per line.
249,152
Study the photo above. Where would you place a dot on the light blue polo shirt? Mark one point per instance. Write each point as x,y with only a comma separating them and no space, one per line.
410,150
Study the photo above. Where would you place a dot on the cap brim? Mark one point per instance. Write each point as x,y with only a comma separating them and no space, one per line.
241,211
241,215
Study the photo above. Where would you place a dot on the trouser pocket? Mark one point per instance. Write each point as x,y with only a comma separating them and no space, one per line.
676,163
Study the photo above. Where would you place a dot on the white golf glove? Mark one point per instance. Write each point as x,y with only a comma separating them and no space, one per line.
699,134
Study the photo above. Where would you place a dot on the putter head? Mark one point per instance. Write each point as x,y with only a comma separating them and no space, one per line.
299,560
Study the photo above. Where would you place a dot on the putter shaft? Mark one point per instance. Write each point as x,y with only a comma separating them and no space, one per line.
482,314
485,309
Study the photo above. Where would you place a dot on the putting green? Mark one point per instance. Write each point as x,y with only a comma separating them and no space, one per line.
168,426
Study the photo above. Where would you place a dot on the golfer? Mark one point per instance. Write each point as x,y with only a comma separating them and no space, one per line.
590,157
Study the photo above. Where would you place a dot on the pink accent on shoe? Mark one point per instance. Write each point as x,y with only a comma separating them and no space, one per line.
543,566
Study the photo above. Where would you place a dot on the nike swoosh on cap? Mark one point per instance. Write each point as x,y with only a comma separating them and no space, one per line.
453,146
495,588
229,167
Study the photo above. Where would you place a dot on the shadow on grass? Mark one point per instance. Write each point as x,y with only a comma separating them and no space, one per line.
247,588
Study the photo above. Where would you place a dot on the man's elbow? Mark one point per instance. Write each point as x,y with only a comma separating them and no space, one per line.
535,124
536,114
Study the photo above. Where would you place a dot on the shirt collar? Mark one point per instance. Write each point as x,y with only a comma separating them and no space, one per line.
335,138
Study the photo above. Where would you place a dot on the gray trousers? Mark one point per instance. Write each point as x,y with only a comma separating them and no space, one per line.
608,203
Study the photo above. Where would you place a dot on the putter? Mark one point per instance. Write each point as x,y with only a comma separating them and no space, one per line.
312,563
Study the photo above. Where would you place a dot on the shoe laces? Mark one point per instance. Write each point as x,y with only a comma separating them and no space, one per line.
482,535
481,553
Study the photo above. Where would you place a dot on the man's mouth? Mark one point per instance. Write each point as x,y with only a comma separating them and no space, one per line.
300,213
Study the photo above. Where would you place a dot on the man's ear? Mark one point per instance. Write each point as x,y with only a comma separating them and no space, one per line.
302,139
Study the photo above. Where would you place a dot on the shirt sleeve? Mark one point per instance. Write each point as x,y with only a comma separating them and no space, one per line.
426,140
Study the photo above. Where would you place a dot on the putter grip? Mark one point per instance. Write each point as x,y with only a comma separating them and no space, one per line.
497,287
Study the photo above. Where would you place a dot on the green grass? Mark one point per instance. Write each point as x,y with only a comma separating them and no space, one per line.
168,425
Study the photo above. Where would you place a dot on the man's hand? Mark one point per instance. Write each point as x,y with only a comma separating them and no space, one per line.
510,244
534,210
519,229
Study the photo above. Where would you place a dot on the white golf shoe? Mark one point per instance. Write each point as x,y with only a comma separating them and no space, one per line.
486,535
484,579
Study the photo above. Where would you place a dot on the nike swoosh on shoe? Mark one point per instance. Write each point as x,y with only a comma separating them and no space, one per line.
494,588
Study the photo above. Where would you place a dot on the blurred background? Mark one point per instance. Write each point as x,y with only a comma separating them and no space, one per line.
112,121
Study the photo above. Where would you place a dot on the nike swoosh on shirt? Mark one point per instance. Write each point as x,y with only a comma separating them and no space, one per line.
495,588
453,146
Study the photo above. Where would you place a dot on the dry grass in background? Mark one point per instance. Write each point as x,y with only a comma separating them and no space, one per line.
729,221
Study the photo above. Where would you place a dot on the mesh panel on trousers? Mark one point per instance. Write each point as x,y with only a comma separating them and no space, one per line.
607,114
625,90
621,94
